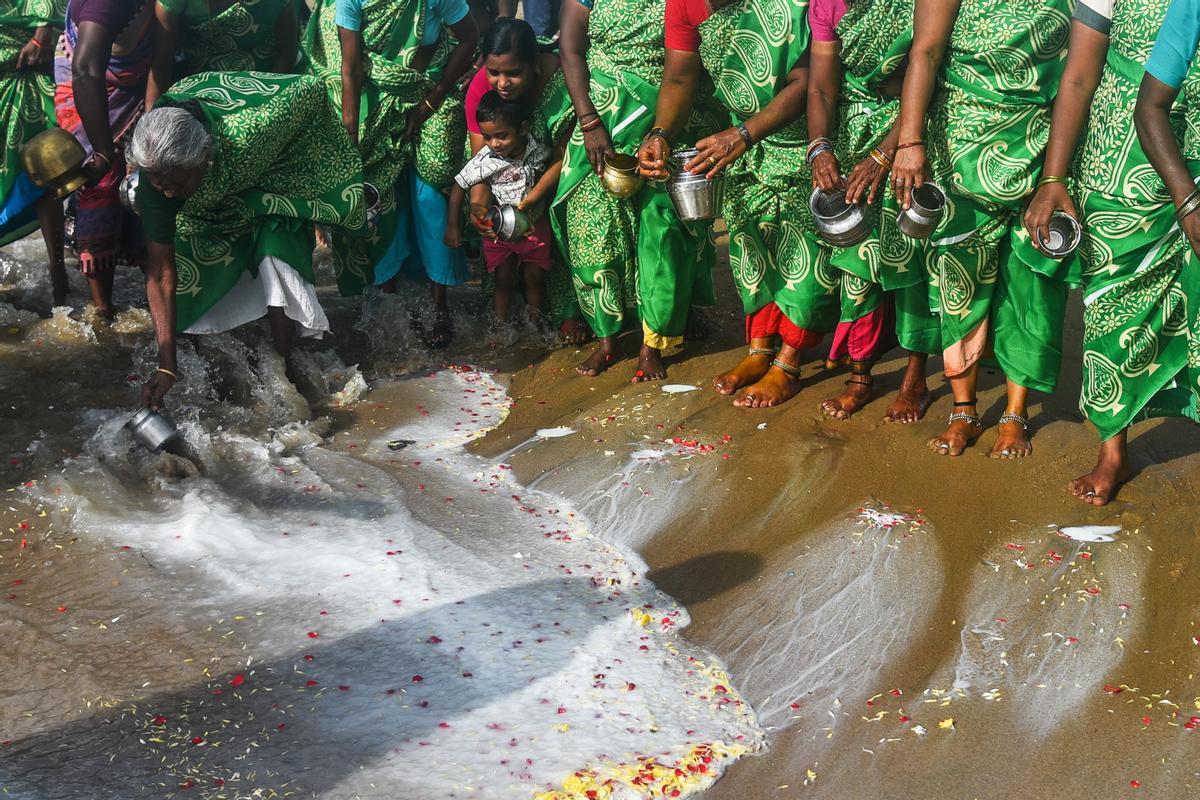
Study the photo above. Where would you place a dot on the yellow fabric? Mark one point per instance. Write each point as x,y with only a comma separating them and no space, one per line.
658,341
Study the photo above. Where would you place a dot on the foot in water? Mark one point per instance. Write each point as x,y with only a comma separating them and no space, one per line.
958,436
751,370
650,365
1012,441
600,359
851,400
774,388
1099,487
696,329
910,404
573,332
442,332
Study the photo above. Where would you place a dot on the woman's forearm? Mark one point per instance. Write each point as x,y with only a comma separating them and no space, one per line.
681,79
824,87
352,77
933,21
573,47
784,108
89,67
1157,137
1085,63
461,58
160,293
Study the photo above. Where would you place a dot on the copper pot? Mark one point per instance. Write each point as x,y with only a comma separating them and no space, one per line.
54,160
619,175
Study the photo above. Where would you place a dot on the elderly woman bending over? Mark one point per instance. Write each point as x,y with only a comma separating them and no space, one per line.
235,169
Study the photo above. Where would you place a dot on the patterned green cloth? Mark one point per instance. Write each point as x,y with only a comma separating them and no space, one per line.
282,162
635,249
749,48
1142,287
391,37
26,98
875,36
987,130
240,38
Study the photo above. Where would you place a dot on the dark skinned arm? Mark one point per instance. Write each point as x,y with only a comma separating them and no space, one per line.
352,79
287,40
460,60
166,42
1085,63
160,292
572,50
824,87
718,151
39,50
89,65
1153,121
681,80
933,21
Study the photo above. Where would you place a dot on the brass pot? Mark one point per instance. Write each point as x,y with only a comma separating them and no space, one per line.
619,175
54,160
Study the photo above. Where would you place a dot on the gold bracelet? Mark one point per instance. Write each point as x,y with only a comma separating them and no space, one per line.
911,143
165,371
429,105
1188,206
880,158
1049,179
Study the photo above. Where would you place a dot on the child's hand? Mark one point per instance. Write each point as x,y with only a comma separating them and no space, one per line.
453,237
479,222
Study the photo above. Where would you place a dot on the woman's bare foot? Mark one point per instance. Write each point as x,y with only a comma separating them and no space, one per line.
1012,440
774,388
1112,470
573,332
442,332
910,404
856,395
696,329
750,370
650,365
600,359
958,436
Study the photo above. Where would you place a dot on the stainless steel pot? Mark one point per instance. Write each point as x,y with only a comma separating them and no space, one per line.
840,223
1063,234
695,197
619,175
927,205
373,201
509,222
127,191
152,430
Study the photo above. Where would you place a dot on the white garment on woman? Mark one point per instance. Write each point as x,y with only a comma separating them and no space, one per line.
277,285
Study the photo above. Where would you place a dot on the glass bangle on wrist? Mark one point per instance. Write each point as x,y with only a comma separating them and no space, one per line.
747,137
1188,206
813,152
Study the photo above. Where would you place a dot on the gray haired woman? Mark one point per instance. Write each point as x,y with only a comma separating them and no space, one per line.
235,171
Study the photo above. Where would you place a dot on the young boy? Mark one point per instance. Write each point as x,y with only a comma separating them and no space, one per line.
516,167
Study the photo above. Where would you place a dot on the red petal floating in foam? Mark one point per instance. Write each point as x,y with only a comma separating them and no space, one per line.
310,683
1093,590
1135,783
417,679
443,724
308,658
1108,687
197,740
237,680
313,634
159,719
343,688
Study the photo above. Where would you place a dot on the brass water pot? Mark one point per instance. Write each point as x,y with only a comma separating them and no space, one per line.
619,175
54,160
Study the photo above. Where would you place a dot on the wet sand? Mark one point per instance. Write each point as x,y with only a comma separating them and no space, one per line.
968,651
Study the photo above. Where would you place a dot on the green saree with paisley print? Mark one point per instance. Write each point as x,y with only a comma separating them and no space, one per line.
875,37
239,38
1142,285
282,163
635,249
26,109
987,132
392,85
748,48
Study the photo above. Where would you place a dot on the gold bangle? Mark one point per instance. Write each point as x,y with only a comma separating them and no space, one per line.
1188,206
879,158
1049,179
910,143
428,105
165,371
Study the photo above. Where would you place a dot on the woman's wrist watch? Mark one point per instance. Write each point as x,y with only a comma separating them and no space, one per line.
662,134
744,132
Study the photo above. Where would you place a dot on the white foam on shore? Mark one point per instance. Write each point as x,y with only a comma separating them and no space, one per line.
555,433
477,627
1091,533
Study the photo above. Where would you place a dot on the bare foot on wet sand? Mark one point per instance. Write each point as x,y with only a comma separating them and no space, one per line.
958,436
573,332
1112,470
650,365
751,369
855,397
1012,441
600,359
910,404
774,388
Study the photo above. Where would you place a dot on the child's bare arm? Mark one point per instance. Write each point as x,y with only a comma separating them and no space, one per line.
545,187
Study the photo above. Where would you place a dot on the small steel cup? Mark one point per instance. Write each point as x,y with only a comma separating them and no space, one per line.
1063,234
152,430
840,223
927,205
695,197
373,201
509,222
127,192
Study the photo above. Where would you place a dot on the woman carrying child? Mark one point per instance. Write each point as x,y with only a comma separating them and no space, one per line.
517,168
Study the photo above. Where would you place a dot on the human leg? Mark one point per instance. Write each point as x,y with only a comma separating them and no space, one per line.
50,216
